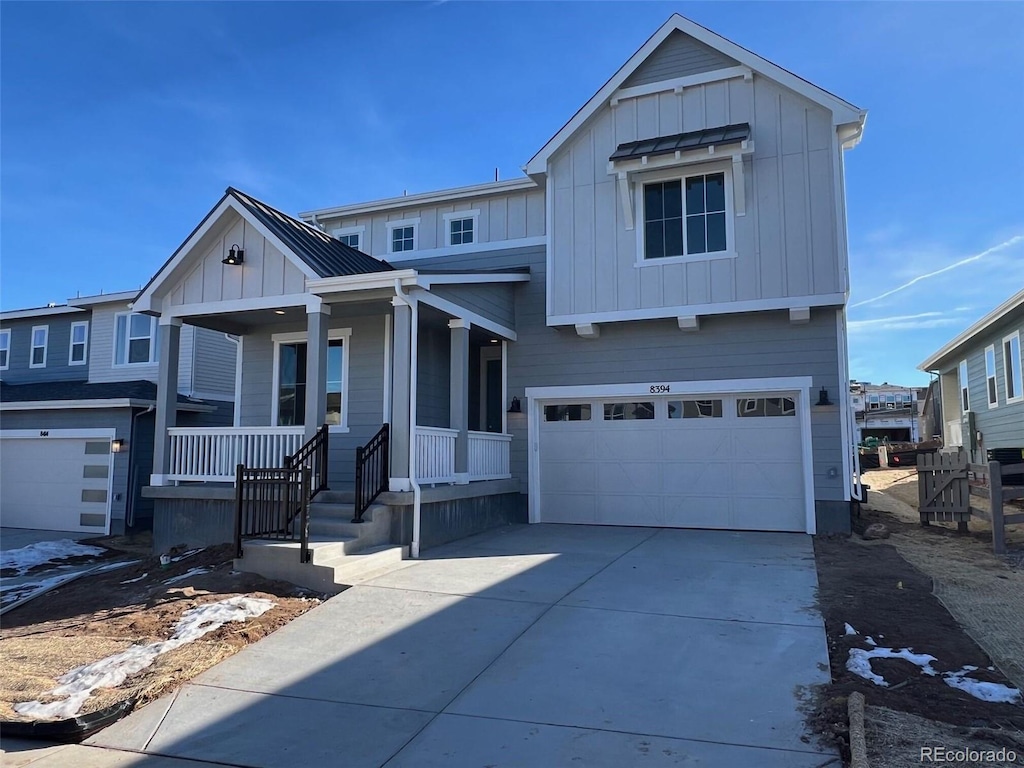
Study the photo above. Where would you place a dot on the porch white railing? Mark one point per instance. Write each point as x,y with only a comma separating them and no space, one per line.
954,434
435,454
212,453
489,456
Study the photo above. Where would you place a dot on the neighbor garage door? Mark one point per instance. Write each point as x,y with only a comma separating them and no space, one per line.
55,483
717,461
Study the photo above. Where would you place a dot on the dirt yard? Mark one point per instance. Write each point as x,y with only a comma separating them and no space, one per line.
103,614
935,592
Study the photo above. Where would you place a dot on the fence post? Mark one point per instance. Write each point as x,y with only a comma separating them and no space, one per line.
923,476
995,501
239,470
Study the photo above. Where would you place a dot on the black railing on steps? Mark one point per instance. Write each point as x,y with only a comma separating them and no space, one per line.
313,455
273,504
371,471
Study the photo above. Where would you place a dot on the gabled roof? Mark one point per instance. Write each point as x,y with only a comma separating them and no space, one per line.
954,349
843,112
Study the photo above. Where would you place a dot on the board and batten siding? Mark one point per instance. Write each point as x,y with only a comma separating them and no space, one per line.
736,346
785,245
365,388
496,302
678,55
503,217
1003,425
57,350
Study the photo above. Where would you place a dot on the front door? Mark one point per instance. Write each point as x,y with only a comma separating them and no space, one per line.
491,410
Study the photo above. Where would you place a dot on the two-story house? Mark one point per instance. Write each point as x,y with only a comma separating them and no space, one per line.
981,385
885,411
647,328
77,410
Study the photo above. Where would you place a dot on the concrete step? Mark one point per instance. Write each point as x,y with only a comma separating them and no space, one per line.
368,564
331,568
335,497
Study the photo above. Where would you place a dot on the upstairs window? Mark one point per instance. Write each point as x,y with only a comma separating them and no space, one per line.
873,404
352,240
402,235
37,357
77,352
1012,364
5,348
134,339
350,236
990,376
686,216
460,227
965,399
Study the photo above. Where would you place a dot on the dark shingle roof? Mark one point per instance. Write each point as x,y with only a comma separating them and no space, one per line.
681,142
81,390
327,256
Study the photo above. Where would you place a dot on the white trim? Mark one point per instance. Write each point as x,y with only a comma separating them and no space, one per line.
549,263
154,324
991,378
429,281
504,387
56,405
993,317
846,427
103,298
488,354
239,359
719,308
367,282
800,386
963,378
422,198
388,381
678,83
451,216
1008,367
449,250
5,333
242,305
391,226
32,346
455,310
360,230
302,337
60,434
72,343
21,314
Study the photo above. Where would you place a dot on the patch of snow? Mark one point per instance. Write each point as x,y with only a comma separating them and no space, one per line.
44,552
183,555
78,684
187,575
870,640
994,692
137,578
27,590
848,630
859,662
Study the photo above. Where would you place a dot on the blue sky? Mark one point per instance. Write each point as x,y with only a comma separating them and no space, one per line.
122,123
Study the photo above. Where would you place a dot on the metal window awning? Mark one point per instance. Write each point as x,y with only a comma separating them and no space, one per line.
682,142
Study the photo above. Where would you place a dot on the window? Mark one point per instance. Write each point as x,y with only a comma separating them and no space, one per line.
460,227
37,357
350,236
990,376
965,400
873,404
695,409
352,241
1012,374
5,348
747,407
685,217
580,412
290,379
134,339
79,341
628,411
402,235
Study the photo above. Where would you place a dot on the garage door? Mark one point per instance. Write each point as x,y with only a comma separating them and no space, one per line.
55,483
716,461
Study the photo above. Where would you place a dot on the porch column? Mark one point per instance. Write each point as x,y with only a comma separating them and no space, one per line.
168,340
459,403
400,388
316,368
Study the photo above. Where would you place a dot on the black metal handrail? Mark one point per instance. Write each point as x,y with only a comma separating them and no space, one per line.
371,471
313,455
272,504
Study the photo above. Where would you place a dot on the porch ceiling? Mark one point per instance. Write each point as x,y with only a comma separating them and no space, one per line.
244,322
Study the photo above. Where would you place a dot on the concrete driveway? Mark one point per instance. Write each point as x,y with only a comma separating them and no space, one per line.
530,646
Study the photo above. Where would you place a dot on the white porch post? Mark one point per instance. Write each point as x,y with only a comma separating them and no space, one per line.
400,389
459,403
168,340
316,368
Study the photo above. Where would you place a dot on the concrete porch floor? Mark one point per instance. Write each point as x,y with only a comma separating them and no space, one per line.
530,645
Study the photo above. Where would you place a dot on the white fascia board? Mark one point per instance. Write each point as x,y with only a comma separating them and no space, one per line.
174,314
711,387
371,281
721,308
21,314
103,298
842,111
678,83
426,281
102,434
422,198
996,315
54,405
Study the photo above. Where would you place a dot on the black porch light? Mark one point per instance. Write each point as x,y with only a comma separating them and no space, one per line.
235,256
515,406
823,397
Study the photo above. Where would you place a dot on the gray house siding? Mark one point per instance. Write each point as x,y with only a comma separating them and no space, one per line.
215,358
496,302
678,56
57,350
1003,425
433,403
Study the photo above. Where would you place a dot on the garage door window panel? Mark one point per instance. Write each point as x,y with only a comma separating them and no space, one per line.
573,412
754,407
642,411
695,409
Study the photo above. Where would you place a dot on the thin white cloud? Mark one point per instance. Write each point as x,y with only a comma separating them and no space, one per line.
955,265
904,322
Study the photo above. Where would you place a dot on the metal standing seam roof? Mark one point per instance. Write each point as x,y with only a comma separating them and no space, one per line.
325,255
682,142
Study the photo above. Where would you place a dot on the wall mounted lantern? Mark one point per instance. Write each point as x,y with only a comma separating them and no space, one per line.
117,445
235,256
823,397
515,406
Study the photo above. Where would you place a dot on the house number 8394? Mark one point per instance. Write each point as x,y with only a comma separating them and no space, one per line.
658,389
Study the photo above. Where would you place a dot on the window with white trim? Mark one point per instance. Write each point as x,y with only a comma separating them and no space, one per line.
401,237
990,376
5,348
1013,376
37,355
78,347
965,399
290,379
686,216
350,236
135,338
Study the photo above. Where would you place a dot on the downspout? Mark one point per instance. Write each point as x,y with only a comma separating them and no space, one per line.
414,546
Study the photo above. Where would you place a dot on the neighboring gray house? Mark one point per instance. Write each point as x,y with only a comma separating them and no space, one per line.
77,410
648,328
982,385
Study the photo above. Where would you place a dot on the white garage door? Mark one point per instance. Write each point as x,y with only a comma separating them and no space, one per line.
716,461
55,483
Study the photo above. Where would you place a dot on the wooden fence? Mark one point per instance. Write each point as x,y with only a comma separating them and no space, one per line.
986,481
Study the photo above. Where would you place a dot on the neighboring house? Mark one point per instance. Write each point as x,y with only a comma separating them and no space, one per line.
982,384
886,411
646,329
77,410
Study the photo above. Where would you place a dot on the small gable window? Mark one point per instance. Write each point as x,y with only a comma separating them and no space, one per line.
460,227
350,236
134,339
402,235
